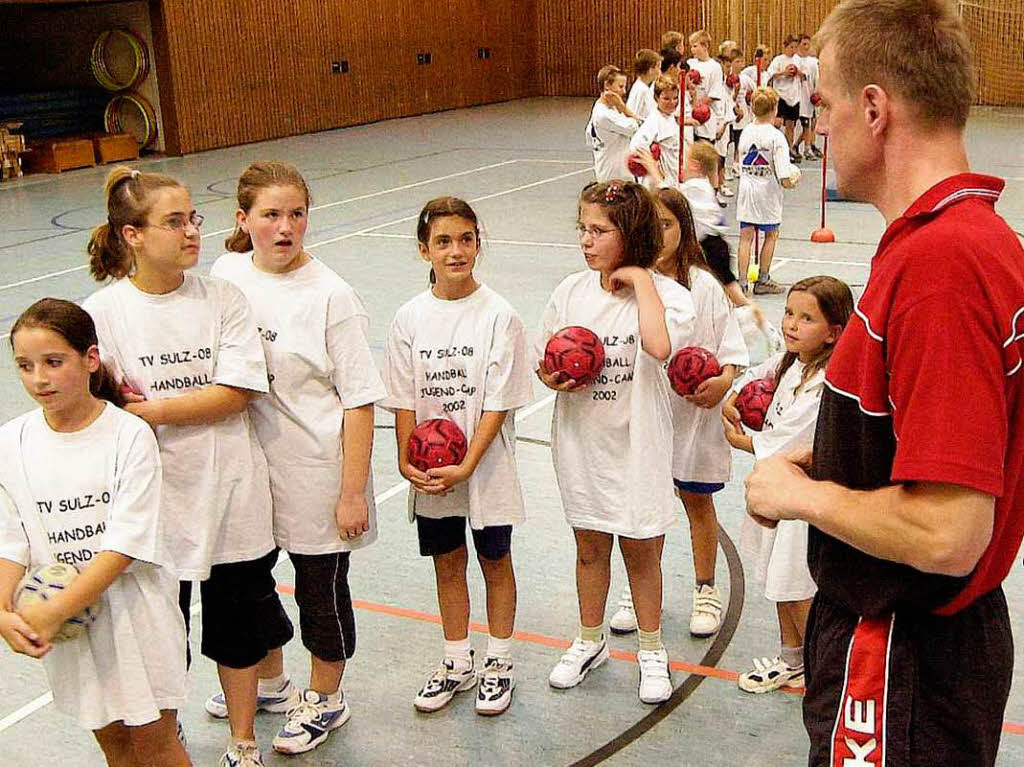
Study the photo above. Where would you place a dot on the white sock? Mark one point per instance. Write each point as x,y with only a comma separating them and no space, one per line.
793,656
242,742
458,649
499,648
273,684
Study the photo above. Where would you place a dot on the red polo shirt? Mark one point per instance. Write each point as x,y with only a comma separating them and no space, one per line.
926,385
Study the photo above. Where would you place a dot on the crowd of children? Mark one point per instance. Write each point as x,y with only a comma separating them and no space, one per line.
163,373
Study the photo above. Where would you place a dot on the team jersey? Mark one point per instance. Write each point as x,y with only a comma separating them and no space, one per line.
788,87
925,386
764,159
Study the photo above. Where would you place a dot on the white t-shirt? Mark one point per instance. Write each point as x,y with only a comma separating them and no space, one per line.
608,134
313,328
216,490
751,74
788,88
612,442
809,66
641,101
747,86
764,159
712,88
780,555
707,213
664,129
69,496
456,360
700,452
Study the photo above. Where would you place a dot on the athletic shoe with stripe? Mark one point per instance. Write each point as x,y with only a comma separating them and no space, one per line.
452,676
496,685
655,679
624,620
279,701
581,658
768,675
310,722
242,755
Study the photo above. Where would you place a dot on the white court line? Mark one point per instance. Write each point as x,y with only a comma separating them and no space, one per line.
559,162
47,698
382,192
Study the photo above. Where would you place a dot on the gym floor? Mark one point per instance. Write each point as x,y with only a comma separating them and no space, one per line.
521,165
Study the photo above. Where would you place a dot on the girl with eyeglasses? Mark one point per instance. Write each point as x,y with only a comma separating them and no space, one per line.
612,440
186,350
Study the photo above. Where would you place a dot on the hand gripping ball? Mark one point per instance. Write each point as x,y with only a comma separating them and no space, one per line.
575,352
694,76
690,367
435,443
732,80
702,112
792,70
815,98
636,167
753,402
45,582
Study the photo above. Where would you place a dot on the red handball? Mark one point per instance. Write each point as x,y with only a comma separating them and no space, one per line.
576,353
702,112
792,70
690,367
435,443
815,98
732,80
636,167
753,402
694,76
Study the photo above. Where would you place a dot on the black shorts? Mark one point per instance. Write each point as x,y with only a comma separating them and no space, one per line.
805,121
789,112
928,689
243,618
734,135
716,251
445,535
705,139
326,620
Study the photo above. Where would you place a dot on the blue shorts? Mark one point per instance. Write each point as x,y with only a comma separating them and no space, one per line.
760,227
699,488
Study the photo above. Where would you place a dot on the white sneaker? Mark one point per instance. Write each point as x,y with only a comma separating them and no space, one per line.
275,702
768,675
727,192
310,723
624,620
579,659
706,617
242,755
655,678
451,676
496,685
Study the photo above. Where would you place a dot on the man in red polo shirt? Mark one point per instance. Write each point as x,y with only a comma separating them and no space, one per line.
915,488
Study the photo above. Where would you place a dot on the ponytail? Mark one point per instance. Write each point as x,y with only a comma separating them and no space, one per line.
109,254
239,242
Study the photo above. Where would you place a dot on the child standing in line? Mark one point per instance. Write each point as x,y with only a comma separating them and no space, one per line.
765,169
817,310
316,429
188,347
662,127
785,76
809,69
124,676
612,441
642,99
701,460
611,125
458,351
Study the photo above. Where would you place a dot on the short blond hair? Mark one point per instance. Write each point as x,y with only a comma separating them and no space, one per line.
645,60
764,101
608,74
926,59
664,83
671,39
701,36
704,156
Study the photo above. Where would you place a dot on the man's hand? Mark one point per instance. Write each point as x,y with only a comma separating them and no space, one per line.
776,485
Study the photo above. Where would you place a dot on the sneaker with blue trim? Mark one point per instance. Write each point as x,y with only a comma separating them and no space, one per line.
242,755
311,722
579,660
496,685
279,701
452,676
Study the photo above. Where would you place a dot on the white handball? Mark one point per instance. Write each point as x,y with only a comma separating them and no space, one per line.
43,583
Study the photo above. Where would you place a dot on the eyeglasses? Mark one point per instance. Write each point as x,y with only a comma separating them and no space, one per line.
594,231
179,223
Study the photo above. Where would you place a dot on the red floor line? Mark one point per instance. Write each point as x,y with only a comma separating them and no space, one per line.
623,655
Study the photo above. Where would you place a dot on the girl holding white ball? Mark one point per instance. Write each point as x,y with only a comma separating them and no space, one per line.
80,485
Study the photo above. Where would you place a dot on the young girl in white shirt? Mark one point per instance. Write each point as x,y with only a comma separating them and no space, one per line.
189,349
701,460
80,484
458,351
315,427
817,310
612,440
